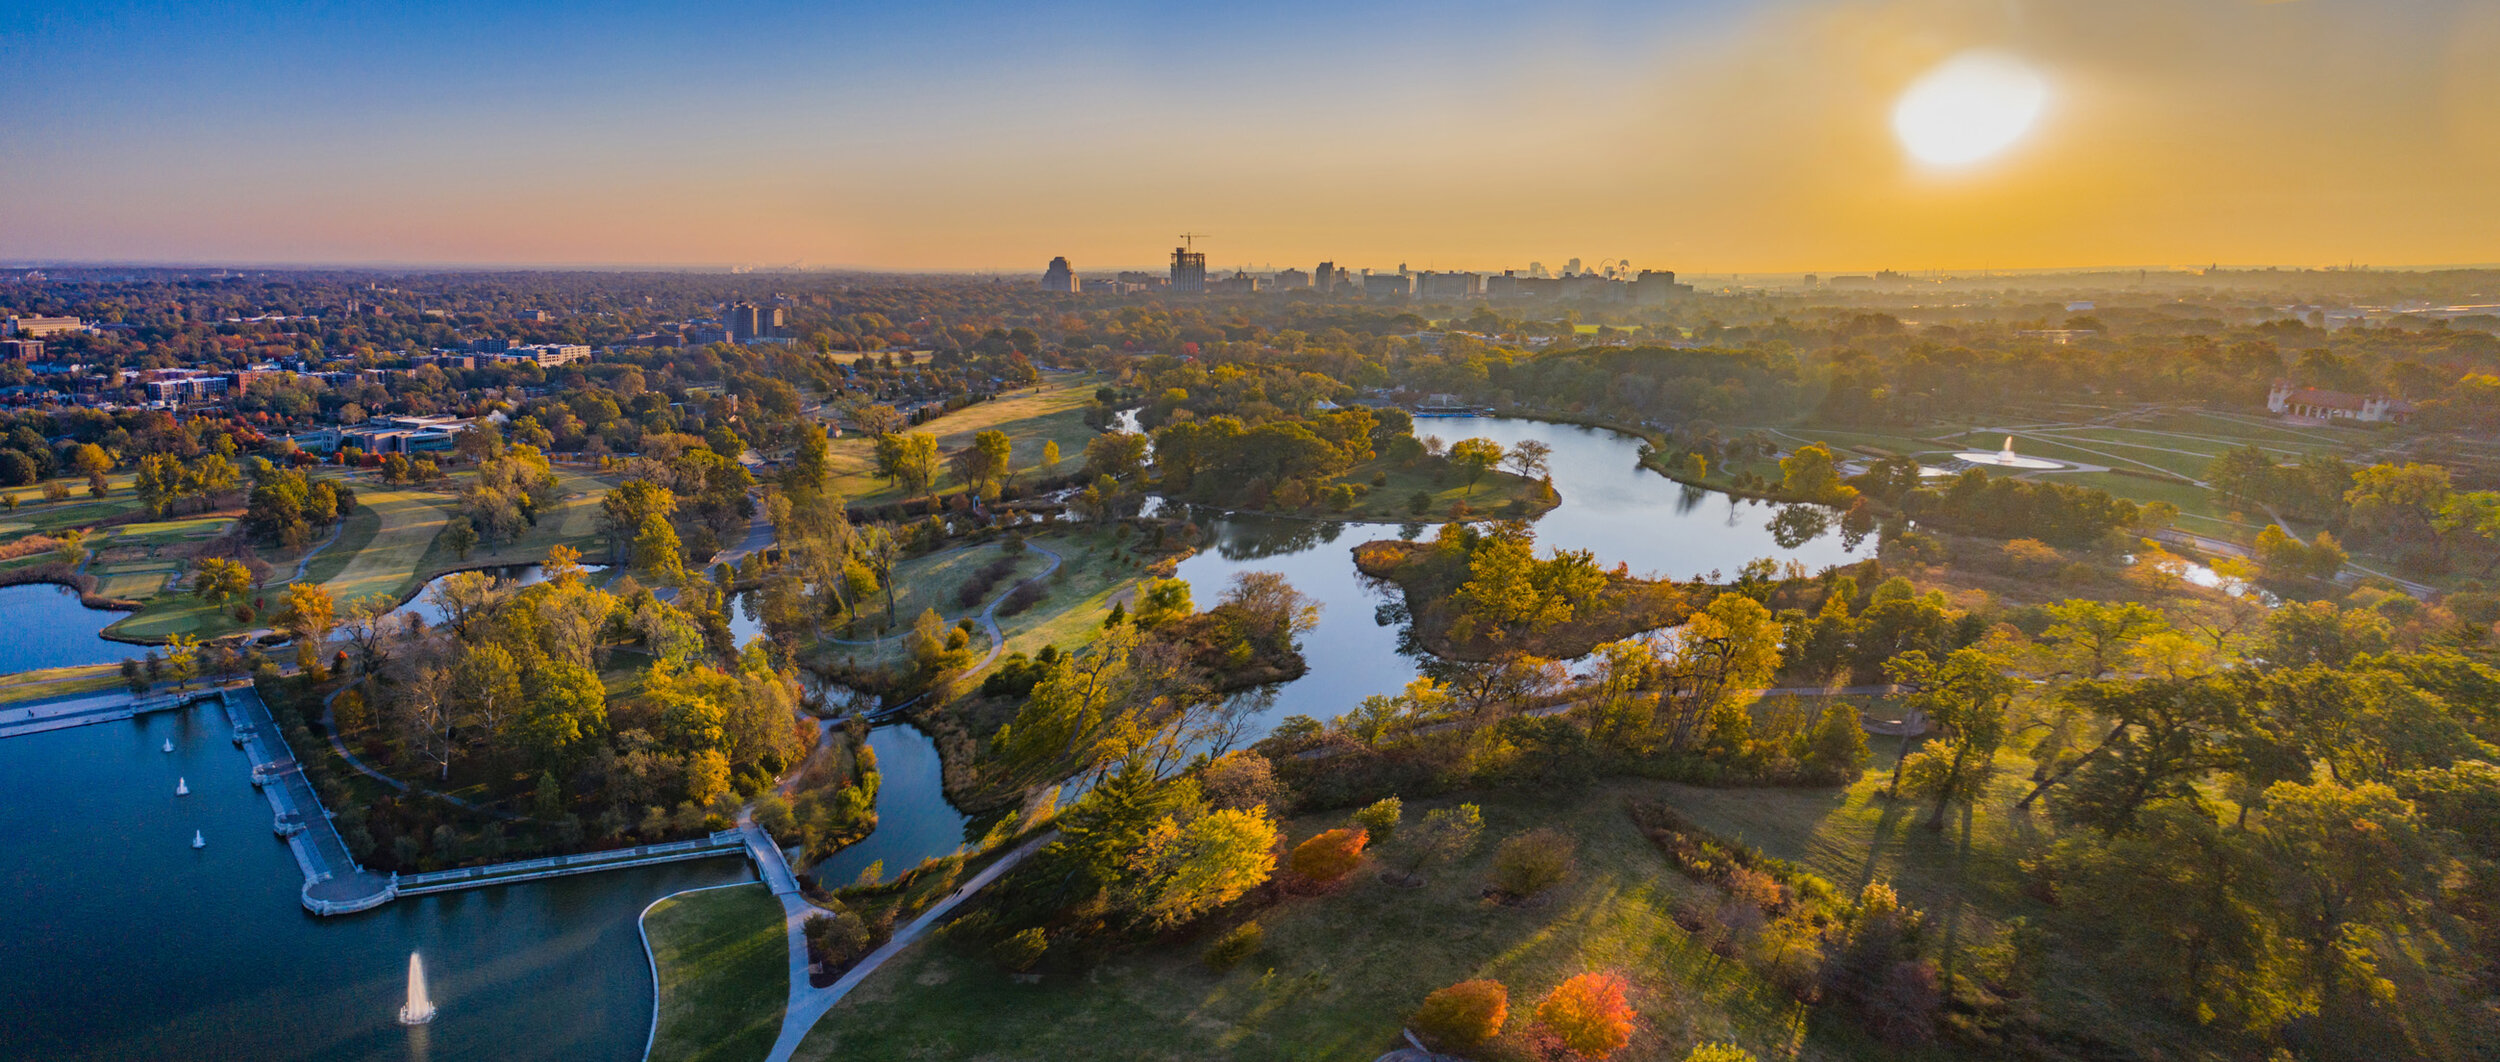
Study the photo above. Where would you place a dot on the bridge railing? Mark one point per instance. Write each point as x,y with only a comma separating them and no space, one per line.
724,840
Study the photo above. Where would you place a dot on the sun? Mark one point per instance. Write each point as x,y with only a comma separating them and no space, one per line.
1968,108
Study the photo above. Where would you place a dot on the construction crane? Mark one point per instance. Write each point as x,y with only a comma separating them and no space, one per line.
1189,240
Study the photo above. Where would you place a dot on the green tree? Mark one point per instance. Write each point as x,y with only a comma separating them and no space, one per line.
460,536
1812,474
658,552
1966,697
1189,869
1475,457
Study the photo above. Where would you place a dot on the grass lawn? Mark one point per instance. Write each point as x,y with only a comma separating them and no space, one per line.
59,682
932,581
572,521
1338,972
1393,501
724,966
1094,573
403,525
1053,413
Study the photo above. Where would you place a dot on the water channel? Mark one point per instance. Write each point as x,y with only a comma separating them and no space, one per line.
128,943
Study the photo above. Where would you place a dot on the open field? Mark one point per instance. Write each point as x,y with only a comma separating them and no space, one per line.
724,968
1339,971
572,521
1053,412
925,582
1393,501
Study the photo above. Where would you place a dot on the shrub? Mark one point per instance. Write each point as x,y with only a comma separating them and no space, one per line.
1587,1015
1463,1015
838,937
1719,1053
1020,952
1380,820
1532,862
1239,943
1331,856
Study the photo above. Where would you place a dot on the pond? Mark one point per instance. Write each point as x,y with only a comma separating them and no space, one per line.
1611,506
49,628
124,942
510,575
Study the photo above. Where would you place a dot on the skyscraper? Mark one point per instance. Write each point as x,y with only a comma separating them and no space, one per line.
1060,278
1189,271
745,322
1325,277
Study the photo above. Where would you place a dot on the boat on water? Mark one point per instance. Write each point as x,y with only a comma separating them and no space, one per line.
198,840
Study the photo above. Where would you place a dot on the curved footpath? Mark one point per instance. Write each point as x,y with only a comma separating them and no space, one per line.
808,1004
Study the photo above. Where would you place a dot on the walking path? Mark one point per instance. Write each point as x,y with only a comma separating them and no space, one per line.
61,713
808,1004
988,616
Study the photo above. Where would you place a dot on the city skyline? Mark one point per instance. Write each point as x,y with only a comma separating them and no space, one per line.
1707,137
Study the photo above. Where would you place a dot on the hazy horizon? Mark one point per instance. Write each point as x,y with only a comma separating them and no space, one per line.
1706,136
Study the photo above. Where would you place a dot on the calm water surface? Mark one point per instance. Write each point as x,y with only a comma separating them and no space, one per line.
1610,506
123,942
126,943
47,627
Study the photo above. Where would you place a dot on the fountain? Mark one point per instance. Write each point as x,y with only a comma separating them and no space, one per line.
2006,458
182,787
198,840
418,1010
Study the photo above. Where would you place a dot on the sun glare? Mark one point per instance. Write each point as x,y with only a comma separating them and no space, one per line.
1969,107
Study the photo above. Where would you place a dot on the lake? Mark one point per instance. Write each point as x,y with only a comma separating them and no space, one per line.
124,942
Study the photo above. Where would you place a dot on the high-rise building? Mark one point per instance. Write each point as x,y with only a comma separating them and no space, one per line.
1059,279
745,322
1290,279
1189,271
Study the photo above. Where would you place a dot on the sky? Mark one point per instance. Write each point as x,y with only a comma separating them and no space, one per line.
1704,136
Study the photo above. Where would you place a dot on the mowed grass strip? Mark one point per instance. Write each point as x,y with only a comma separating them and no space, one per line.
724,970
404,523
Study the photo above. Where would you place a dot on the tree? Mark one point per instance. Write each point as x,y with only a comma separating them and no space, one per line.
1475,456
1161,601
1050,454
1966,696
1731,646
658,552
1528,458
1445,835
1588,1014
1119,455
219,580
1380,819
624,509
1719,1053
1328,857
1463,1015
2349,864
1205,864
309,614
988,464
460,535
909,460
1812,474
1532,862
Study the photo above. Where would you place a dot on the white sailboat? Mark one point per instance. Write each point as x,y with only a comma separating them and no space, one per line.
169,744
419,1009
197,840
182,787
